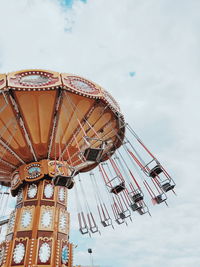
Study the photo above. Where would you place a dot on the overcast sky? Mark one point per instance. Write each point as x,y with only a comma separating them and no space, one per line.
146,53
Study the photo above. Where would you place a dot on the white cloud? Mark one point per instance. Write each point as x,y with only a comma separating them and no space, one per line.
159,40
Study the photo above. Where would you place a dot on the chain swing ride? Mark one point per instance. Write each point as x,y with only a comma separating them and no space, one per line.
53,128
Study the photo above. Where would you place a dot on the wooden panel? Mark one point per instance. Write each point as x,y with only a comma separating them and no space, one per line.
7,156
9,125
95,115
37,110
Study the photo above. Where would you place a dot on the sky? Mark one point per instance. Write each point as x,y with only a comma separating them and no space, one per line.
146,54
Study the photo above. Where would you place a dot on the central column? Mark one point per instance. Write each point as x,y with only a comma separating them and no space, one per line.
38,230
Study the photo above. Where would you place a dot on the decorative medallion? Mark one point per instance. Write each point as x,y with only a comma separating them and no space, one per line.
20,196
48,191
33,171
26,218
82,85
34,80
46,219
32,191
44,252
65,254
19,253
2,252
61,194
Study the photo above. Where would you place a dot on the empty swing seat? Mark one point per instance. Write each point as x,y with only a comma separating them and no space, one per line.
120,220
118,188
61,180
141,211
137,197
155,171
106,223
94,229
93,154
84,230
167,187
159,199
122,215
135,207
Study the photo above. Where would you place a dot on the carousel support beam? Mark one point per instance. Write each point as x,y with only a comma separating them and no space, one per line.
54,125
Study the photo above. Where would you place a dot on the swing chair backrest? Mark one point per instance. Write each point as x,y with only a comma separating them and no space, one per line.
120,220
160,198
135,206
94,229
62,180
141,211
167,185
106,223
118,188
84,230
137,196
93,154
155,171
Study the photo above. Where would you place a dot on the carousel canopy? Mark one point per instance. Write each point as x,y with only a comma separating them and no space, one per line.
53,116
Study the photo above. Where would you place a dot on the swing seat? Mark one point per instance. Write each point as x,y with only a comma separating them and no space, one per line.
93,154
155,171
118,188
122,215
94,229
167,187
135,207
141,211
106,223
61,180
137,197
159,199
119,221
89,250
84,230
14,192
